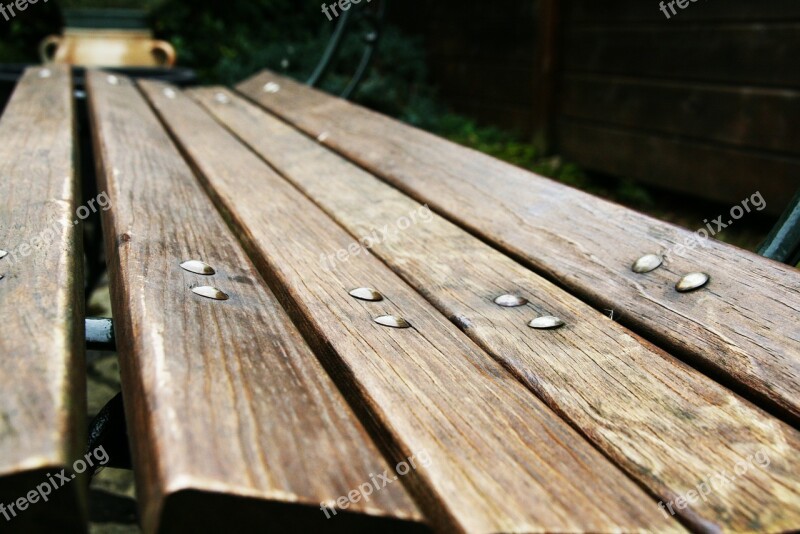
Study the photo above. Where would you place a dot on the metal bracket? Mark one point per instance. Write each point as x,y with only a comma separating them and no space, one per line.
783,243
108,428
100,334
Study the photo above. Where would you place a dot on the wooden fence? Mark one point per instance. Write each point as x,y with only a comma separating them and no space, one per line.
705,102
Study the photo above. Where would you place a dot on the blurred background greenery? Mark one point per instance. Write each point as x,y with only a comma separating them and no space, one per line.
225,42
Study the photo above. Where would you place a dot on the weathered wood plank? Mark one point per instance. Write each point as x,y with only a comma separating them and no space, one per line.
720,173
500,460
668,425
752,54
234,422
43,381
742,327
747,117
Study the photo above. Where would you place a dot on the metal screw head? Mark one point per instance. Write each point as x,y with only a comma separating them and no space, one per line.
692,281
169,92
323,137
647,263
3,254
113,80
197,267
510,301
392,321
366,293
210,292
548,322
222,98
45,73
271,87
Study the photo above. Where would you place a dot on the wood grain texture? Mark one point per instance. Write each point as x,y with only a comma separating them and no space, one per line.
666,424
500,460
634,11
42,384
763,119
706,96
465,42
720,173
234,422
742,327
742,53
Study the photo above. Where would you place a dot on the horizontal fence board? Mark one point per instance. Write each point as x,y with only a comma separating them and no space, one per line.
516,81
634,11
752,54
723,174
740,116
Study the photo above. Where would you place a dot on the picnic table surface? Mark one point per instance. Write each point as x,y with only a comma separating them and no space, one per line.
379,329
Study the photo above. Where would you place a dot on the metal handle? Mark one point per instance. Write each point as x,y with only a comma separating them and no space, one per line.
168,51
49,41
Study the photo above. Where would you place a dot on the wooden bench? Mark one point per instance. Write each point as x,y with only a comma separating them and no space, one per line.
263,393
42,382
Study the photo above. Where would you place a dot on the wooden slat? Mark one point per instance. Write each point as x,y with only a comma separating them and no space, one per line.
742,116
742,327
666,424
752,54
43,381
500,460
724,174
636,11
234,422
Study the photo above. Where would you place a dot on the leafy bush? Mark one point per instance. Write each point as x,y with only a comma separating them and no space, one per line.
144,5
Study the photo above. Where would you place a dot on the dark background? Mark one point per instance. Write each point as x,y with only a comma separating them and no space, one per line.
681,118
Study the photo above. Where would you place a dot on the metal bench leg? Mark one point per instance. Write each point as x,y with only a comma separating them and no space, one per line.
108,428
783,243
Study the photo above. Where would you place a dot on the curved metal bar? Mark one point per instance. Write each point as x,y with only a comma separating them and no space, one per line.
109,431
783,242
330,52
372,38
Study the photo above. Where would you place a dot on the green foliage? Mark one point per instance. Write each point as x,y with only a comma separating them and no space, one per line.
145,5
228,41
20,37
